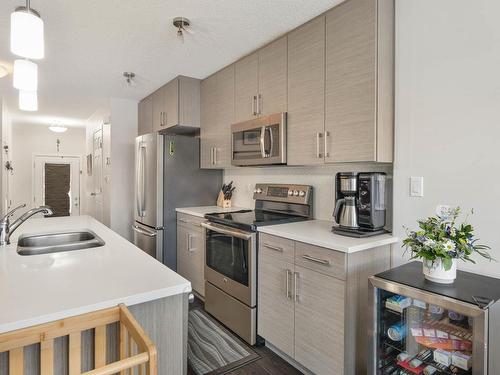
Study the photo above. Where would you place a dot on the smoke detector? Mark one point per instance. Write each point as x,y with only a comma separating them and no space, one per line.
182,24
129,78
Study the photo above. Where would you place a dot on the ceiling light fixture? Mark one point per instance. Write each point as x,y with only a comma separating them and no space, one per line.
182,24
26,33
58,128
28,101
130,78
25,75
3,71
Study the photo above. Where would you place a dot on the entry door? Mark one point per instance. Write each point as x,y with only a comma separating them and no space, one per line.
56,181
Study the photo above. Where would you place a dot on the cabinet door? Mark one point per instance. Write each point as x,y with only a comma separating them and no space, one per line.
306,94
145,116
171,107
224,117
208,125
319,322
351,61
158,99
276,310
191,256
272,78
246,82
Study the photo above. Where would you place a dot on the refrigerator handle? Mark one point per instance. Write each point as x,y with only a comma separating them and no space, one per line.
141,181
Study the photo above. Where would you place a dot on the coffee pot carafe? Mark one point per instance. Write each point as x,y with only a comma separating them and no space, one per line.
346,212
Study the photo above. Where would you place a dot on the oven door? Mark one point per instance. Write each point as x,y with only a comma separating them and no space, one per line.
231,262
260,141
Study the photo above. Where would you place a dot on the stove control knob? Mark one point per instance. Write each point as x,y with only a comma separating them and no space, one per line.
302,193
290,192
258,191
296,193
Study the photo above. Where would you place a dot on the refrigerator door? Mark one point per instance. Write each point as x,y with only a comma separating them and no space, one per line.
149,240
148,180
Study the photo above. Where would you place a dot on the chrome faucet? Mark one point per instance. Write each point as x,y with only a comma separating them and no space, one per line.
6,228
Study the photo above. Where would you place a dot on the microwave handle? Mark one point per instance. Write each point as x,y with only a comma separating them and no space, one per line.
271,141
262,142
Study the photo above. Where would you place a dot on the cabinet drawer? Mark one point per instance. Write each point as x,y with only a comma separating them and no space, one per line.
189,220
326,261
276,247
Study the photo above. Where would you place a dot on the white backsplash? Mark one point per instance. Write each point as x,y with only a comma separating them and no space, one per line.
321,178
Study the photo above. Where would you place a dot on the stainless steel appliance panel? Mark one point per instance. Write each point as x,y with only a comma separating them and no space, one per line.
231,261
260,141
149,182
184,185
149,240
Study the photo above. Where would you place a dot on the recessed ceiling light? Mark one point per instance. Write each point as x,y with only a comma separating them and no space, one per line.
3,71
58,128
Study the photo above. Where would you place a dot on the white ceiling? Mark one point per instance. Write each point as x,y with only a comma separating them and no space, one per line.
90,43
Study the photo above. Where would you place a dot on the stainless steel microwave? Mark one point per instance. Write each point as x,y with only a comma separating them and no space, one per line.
260,141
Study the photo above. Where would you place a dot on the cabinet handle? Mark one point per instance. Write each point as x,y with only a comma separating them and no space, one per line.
275,248
325,262
296,286
259,104
189,240
288,295
215,155
161,118
254,101
327,136
212,156
318,138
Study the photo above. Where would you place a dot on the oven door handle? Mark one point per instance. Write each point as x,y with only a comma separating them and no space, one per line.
229,232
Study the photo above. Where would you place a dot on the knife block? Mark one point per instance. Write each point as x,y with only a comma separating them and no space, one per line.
221,202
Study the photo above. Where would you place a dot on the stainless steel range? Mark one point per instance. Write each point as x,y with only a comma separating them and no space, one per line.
231,253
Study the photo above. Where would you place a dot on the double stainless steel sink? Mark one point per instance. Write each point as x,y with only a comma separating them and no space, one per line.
46,243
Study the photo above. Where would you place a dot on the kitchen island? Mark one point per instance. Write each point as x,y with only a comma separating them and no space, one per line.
41,288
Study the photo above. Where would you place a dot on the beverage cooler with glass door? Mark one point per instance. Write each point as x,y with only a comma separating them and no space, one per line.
421,327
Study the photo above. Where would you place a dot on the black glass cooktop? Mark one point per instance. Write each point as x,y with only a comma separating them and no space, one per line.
251,219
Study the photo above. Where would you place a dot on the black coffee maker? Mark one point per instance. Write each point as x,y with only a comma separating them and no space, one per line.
360,204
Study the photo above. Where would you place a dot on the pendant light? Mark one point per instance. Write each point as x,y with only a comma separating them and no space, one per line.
26,33
28,101
25,75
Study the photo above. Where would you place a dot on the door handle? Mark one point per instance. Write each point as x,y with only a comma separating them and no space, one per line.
262,141
296,286
288,295
189,240
327,136
318,138
142,231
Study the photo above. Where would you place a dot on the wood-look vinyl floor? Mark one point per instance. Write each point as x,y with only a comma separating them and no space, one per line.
268,364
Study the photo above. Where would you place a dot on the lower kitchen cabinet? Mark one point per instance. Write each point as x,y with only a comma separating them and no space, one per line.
191,251
313,307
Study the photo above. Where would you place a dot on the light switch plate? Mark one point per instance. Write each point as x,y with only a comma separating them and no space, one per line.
416,186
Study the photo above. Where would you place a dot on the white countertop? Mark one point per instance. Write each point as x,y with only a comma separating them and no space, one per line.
203,210
41,288
319,233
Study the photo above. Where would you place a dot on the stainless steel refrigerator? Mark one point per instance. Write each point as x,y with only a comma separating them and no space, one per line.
168,176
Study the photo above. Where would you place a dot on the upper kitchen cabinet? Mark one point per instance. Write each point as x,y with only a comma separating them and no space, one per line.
145,114
176,106
246,87
272,96
261,82
306,93
359,95
217,115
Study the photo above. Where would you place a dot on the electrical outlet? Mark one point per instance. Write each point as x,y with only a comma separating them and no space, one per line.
416,186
